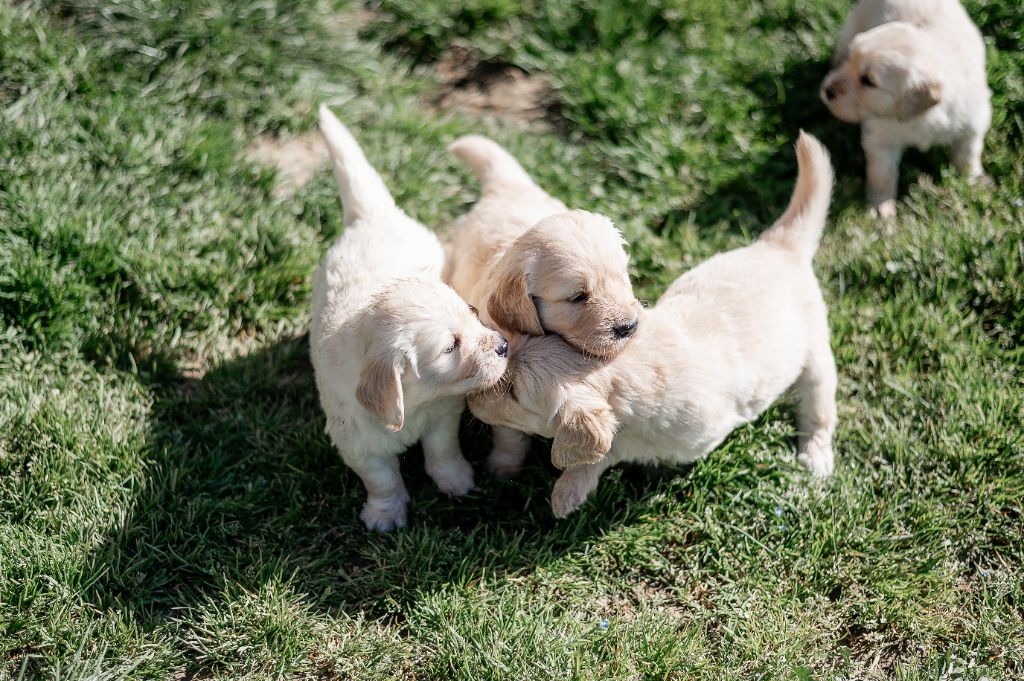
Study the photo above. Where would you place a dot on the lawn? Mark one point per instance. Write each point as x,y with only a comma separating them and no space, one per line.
170,506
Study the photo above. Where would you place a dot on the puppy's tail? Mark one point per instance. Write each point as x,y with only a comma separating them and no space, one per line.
489,161
800,227
363,192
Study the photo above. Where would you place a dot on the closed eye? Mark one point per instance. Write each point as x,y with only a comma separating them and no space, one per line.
866,81
580,297
451,346
475,311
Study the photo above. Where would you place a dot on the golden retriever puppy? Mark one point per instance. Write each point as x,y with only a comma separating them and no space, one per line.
394,348
533,267
723,342
912,73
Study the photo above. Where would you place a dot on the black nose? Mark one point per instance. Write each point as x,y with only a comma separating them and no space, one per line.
625,330
502,348
830,94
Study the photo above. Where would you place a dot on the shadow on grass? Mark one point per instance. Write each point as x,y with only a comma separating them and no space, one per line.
244,488
790,103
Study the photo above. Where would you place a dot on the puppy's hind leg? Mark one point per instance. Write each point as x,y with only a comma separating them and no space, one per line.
967,155
443,456
510,447
816,389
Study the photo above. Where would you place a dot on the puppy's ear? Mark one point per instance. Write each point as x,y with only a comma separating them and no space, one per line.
380,390
586,428
510,305
918,99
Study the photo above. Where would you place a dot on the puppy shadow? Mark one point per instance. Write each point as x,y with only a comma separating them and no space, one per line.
242,488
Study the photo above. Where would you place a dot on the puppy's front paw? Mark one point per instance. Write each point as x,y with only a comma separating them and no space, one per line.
504,462
884,211
384,515
569,494
455,479
981,180
818,459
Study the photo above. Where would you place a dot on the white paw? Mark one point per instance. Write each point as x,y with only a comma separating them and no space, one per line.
981,180
455,478
384,515
884,211
502,463
568,495
818,459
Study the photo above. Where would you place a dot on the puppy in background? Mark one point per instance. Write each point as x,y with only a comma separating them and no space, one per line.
394,348
723,342
533,267
912,73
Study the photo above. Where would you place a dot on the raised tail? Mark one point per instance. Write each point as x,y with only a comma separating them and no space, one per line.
363,192
800,227
489,161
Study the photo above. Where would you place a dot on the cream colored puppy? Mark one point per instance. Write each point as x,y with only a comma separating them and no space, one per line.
723,342
394,348
532,267
912,73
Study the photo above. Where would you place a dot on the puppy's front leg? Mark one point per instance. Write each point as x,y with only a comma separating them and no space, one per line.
576,484
443,456
883,178
510,447
386,497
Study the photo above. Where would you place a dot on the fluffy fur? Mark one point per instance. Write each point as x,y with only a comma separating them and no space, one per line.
723,342
394,348
912,73
533,267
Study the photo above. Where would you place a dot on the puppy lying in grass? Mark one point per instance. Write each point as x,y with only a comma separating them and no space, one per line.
394,348
533,267
723,342
912,73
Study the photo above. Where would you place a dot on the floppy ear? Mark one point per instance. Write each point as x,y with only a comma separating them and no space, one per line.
510,305
918,99
586,428
380,390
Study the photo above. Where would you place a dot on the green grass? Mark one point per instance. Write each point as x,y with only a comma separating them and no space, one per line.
171,508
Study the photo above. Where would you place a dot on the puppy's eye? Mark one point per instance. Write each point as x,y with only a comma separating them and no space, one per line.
475,311
451,346
580,297
866,81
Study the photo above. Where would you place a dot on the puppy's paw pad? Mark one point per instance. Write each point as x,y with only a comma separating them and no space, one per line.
455,480
384,516
817,459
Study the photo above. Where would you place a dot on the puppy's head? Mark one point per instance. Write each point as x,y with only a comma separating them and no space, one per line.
568,275
552,390
423,342
891,72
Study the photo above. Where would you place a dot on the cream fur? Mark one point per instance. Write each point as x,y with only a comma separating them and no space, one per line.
523,259
912,73
394,348
723,342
